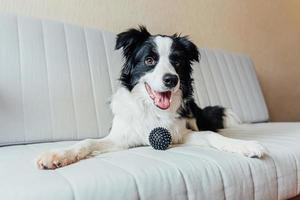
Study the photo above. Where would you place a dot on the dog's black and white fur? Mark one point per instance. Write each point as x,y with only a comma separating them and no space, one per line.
156,90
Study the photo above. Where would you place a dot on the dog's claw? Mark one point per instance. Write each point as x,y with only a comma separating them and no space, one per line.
55,159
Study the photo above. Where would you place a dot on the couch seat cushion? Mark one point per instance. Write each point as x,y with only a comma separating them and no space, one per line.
182,172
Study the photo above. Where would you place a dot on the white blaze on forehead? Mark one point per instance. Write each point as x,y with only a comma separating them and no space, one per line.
155,78
163,46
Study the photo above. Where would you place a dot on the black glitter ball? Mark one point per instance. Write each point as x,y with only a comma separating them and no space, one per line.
160,138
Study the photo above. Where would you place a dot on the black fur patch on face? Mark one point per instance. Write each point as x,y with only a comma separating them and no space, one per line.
136,46
183,54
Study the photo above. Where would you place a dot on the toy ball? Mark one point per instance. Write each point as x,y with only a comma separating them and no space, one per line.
160,138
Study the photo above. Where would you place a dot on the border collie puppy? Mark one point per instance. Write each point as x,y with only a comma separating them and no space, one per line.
156,91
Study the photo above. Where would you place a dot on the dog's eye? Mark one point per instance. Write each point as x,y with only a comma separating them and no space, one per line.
150,61
177,63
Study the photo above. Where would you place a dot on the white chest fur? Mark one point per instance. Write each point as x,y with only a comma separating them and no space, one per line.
135,116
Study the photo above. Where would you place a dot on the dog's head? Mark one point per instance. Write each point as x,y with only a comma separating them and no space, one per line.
160,63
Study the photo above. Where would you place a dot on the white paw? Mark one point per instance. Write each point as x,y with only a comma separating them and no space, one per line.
251,149
55,158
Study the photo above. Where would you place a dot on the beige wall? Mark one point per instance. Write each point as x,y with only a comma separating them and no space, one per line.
268,30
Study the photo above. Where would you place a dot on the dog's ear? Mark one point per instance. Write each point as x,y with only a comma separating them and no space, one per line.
190,48
130,39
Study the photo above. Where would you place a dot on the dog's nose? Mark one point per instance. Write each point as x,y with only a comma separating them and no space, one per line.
170,80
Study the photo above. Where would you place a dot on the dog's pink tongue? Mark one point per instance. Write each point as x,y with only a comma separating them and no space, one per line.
163,99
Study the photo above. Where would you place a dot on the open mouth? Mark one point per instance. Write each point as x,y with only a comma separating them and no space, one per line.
161,99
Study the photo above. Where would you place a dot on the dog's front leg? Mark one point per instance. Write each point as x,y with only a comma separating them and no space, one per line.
61,157
209,138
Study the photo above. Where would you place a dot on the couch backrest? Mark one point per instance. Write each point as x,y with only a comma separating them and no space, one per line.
229,79
56,80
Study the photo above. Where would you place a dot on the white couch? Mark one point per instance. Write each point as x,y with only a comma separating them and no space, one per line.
55,84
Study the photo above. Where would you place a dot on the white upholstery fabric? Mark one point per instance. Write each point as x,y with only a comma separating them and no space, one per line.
229,79
179,173
282,141
56,80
